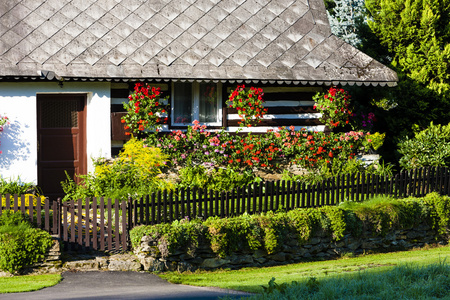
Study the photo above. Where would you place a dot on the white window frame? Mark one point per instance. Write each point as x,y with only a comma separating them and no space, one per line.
195,97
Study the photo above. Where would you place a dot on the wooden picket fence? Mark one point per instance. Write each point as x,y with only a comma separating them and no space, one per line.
98,224
42,215
104,224
167,206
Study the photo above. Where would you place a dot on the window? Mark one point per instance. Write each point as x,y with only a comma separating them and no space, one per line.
196,101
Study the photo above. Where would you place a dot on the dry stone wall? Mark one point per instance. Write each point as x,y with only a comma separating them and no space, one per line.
57,261
320,246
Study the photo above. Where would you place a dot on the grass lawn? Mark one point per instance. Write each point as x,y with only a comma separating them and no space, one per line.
28,283
252,279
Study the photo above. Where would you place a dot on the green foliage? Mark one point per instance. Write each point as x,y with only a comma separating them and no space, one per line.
405,281
417,33
231,234
134,173
138,232
221,179
338,167
375,140
179,235
273,286
439,210
276,230
429,147
9,218
20,244
398,24
271,230
16,186
382,214
336,216
305,222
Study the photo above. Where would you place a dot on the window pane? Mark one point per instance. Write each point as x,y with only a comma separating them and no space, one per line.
182,103
208,103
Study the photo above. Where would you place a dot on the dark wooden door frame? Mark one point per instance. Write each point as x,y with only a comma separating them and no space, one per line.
79,155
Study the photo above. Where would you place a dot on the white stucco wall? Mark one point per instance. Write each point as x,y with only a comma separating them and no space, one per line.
18,141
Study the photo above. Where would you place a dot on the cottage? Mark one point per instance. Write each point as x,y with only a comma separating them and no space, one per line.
67,66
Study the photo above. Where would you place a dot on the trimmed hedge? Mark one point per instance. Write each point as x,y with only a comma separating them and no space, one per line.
271,230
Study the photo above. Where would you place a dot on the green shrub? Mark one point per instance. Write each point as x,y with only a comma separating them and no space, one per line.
231,234
219,179
270,231
9,218
305,222
429,147
17,186
439,212
20,243
339,167
382,214
336,217
182,234
276,229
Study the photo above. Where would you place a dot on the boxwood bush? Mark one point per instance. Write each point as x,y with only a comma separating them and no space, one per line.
271,230
20,244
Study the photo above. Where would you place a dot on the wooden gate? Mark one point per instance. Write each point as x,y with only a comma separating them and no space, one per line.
94,224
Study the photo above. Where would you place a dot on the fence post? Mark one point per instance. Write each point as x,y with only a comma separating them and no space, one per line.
116,224
141,211
171,203
47,215
59,216
16,203
130,224
102,223
94,224
124,226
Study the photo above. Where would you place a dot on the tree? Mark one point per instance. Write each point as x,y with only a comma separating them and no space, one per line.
345,17
417,33
411,37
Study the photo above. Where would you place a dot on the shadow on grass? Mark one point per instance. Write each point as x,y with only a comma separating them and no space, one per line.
406,281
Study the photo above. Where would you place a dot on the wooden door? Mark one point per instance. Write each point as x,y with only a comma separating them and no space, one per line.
61,135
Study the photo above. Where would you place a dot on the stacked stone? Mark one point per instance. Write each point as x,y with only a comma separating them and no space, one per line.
320,246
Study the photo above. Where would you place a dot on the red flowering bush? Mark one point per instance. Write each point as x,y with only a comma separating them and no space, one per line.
196,144
145,110
220,149
308,149
334,106
255,152
249,105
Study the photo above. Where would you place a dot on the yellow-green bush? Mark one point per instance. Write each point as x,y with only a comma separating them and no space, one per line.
134,173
